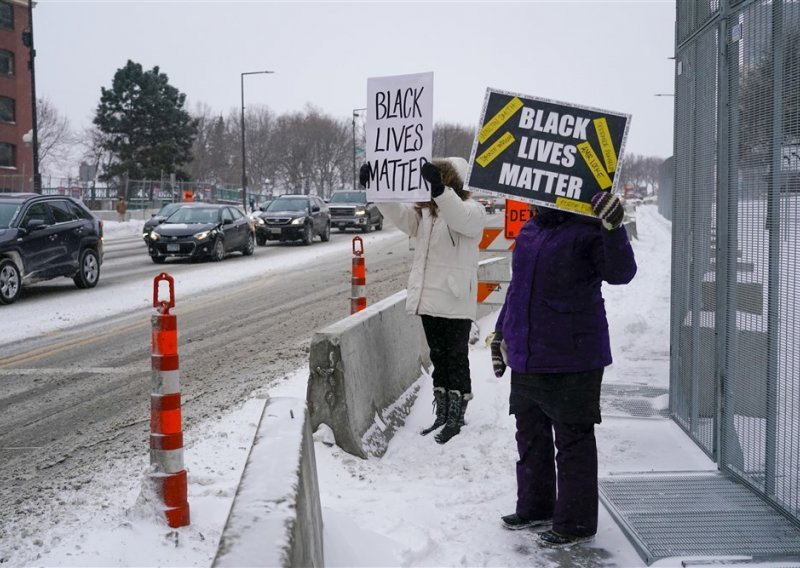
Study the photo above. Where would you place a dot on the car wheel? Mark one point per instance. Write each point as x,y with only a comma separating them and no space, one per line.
326,234
88,269
158,259
308,234
10,282
250,247
261,240
379,226
218,252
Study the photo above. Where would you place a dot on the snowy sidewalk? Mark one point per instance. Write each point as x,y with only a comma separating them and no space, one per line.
423,504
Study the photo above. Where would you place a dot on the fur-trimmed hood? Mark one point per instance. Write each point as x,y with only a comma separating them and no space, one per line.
454,174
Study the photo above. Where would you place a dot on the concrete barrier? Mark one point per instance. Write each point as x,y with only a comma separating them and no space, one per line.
364,371
276,518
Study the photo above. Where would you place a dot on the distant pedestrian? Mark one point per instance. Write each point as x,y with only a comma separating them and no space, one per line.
122,208
552,332
442,286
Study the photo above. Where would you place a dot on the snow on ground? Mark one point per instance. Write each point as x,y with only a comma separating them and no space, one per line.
422,504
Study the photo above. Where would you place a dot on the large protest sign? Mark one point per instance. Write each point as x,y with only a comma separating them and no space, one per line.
546,152
399,136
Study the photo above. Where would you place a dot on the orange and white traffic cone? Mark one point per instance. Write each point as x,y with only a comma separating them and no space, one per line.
166,436
359,283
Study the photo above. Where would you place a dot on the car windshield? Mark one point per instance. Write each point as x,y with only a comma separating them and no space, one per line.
194,215
289,204
169,209
8,212
349,197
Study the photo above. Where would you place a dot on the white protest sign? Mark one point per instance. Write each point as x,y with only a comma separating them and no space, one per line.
399,136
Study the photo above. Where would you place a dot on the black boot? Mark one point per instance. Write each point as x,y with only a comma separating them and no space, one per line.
440,408
467,397
454,416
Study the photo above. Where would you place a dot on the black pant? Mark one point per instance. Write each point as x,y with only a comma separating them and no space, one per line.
448,340
560,486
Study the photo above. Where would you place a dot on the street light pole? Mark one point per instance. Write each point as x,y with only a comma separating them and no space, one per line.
28,40
244,153
355,114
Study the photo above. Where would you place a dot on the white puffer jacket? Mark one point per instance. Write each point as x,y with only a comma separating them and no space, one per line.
444,274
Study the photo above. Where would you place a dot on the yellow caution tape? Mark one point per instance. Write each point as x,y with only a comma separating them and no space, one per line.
594,164
499,119
573,205
606,144
495,149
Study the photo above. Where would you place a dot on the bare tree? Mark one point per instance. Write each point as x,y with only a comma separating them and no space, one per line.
330,152
641,170
262,146
451,140
201,168
54,135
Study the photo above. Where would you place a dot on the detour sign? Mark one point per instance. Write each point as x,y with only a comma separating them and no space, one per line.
517,214
546,152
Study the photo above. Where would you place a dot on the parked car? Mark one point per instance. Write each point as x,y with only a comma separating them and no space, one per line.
158,218
295,217
487,201
44,237
202,230
351,210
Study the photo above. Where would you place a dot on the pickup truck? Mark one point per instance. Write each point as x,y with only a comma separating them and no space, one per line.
350,209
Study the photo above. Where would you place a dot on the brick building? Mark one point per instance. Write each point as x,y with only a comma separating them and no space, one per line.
16,116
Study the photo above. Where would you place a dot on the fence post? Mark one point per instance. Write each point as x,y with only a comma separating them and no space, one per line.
166,436
359,282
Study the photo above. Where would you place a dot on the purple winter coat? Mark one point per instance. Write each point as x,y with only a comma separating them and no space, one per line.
554,319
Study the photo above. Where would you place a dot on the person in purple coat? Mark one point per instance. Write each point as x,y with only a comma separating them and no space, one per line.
553,334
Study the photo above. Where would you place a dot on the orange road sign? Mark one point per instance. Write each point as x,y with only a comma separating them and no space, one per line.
517,214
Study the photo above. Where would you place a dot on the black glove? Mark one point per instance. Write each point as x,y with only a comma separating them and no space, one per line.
496,347
608,207
363,175
433,176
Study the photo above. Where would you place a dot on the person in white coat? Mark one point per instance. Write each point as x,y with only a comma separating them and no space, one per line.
442,286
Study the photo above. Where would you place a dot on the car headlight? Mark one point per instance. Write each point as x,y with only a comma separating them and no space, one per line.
145,235
202,235
361,211
298,221
154,236
261,221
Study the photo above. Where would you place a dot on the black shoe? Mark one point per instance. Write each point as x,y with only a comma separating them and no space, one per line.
514,522
552,539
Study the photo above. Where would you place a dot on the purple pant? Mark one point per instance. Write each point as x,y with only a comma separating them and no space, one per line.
568,495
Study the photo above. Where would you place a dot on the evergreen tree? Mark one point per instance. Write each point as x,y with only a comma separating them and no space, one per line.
144,125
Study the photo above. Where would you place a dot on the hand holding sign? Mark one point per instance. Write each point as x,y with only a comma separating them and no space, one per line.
363,175
433,176
608,208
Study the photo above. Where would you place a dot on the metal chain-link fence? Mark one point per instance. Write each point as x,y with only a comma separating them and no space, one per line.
735,372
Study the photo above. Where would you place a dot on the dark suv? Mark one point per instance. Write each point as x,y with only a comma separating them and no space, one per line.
351,210
293,217
46,236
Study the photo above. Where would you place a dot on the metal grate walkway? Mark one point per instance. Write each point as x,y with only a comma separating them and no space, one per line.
697,514
640,401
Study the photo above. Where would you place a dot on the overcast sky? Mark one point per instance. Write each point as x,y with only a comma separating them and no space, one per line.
612,55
